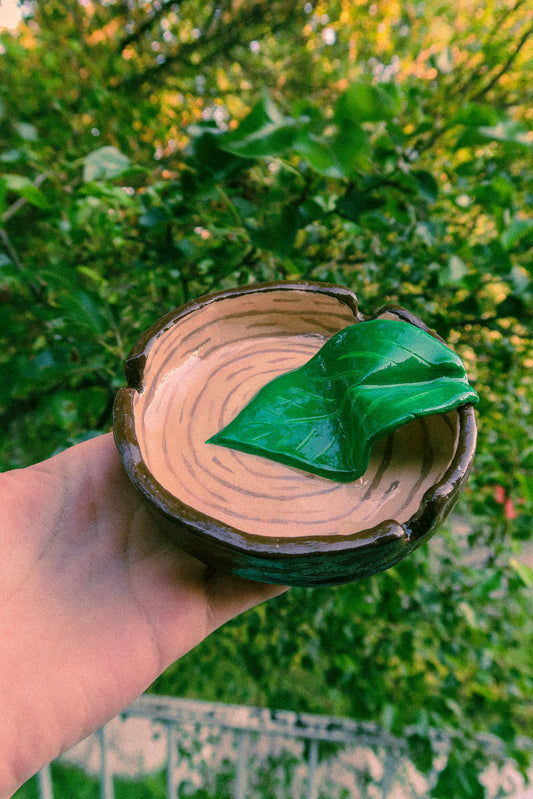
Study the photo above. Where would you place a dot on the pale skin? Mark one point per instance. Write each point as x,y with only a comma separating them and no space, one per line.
95,603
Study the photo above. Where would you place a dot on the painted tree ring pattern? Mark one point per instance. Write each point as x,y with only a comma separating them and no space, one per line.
202,370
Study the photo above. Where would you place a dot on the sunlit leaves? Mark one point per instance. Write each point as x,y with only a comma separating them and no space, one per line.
339,151
508,131
518,229
104,163
453,272
365,102
523,571
26,131
24,188
480,124
264,132
475,115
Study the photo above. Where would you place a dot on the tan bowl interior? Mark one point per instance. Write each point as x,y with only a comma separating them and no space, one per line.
208,365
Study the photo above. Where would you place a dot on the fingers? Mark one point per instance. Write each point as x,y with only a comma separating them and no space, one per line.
226,595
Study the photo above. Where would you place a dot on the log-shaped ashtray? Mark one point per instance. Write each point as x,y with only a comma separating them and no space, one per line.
191,373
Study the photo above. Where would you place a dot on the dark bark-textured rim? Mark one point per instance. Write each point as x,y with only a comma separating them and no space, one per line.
286,560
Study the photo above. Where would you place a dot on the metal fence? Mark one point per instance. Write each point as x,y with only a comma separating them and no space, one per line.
299,755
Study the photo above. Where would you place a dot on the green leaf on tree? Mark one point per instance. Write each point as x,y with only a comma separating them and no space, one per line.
517,230
366,381
264,132
23,186
459,778
421,752
364,102
104,164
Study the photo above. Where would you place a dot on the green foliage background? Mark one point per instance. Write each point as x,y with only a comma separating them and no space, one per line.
151,153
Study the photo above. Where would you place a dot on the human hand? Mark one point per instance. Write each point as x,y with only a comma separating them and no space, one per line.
95,602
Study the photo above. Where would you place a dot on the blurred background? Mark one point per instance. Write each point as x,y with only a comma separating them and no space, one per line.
152,152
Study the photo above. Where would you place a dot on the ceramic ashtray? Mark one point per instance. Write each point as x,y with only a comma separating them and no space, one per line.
280,434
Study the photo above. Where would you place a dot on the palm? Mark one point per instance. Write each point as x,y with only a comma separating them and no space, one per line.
94,602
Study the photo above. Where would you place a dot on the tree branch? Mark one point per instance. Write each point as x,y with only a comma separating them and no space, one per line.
11,250
461,87
33,286
505,67
220,36
145,26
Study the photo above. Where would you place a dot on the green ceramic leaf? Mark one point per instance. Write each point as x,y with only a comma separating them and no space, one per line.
366,381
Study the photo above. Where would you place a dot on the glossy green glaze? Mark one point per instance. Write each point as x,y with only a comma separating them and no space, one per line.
365,382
